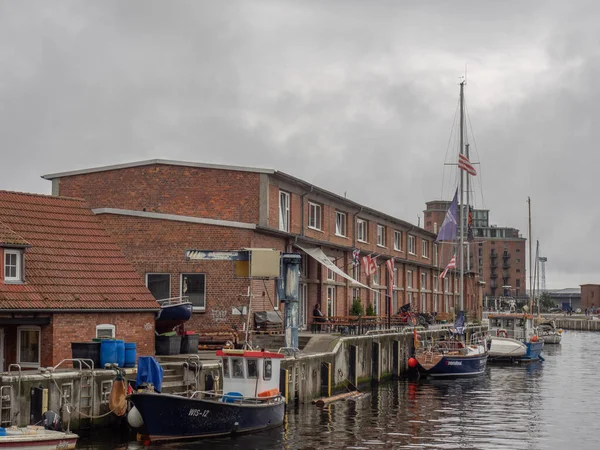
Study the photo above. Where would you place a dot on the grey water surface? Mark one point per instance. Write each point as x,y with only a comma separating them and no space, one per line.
553,404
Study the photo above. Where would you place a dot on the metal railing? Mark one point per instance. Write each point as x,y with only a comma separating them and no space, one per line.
228,398
173,301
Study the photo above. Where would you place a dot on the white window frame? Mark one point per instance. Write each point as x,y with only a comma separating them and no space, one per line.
398,240
376,301
315,216
423,281
17,254
29,328
194,307
412,244
424,248
409,279
356,272
284,211
331,273
446,285
380,235
436,284
362,230
341,221
395,277
106,326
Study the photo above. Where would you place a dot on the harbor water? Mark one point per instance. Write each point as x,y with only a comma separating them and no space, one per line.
553,404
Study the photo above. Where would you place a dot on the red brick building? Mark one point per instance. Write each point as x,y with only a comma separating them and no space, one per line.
63,280
498,254
590,296
157,209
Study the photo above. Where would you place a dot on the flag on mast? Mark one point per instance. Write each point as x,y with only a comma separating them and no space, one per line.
448,229
356,257
451,265
470,225
390,267
465,164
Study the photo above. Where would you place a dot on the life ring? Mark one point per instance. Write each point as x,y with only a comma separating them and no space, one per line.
502,333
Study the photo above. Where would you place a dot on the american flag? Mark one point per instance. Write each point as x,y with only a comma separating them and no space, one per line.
465,164
390,266
451,265
356,257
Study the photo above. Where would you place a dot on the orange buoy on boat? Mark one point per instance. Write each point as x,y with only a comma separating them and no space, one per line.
534,338
412,363
270,393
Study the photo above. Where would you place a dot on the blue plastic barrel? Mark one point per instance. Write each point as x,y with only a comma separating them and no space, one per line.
120,352
130,354
108,352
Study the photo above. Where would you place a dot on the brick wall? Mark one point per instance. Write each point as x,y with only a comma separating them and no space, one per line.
188,191
81,327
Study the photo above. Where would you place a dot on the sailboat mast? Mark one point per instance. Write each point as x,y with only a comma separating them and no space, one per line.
530,261
461,214
468,180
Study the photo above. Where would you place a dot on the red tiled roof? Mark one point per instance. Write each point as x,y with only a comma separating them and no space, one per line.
72,263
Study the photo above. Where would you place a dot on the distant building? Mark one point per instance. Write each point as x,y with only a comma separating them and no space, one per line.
590,296
563,298
497,254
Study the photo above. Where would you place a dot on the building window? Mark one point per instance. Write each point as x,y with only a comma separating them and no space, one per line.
435,254
355,293
12,265
376,297
284,211
105,331
193,286
362,229
340,223
409,279
331,273
423,281
398,240
314,216
425,248
376,276
159,284
304,265
381,235
436,284
28,346
423,302
412,245
409,297
395,277
519,283
356,272
446,285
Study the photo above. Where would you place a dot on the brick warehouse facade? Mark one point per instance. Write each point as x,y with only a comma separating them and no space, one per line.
63,278
157,209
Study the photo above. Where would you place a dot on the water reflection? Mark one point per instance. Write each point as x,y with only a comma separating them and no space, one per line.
531,406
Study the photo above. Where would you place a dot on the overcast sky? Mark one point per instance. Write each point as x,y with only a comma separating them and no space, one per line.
353,96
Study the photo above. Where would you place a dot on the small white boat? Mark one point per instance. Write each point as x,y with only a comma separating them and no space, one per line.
512,337
37,438
548,332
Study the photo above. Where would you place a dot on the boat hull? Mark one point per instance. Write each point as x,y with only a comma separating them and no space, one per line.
172,417
551,338
47,440
455,366
176,312
506,348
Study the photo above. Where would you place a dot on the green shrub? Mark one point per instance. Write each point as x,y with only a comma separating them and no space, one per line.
357,308
370,310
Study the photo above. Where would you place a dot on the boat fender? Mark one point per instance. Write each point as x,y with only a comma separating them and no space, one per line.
542,358
117,401
134,418
502,333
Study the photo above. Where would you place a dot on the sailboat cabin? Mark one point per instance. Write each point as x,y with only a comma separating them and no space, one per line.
516,326
250,374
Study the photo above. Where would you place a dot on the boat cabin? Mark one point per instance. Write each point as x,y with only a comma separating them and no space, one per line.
515,326
250,374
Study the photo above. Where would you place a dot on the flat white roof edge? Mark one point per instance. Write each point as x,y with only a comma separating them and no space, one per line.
149,162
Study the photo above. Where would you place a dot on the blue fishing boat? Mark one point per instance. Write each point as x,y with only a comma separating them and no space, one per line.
172,313
249,401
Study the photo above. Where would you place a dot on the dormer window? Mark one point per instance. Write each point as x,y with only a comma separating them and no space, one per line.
12,265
